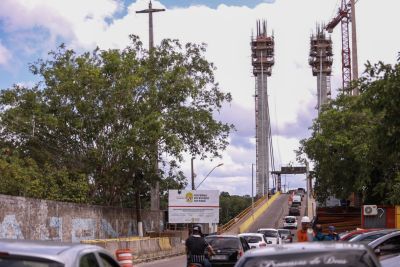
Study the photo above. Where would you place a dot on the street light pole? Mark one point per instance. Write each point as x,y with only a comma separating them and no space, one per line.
191,164
209,174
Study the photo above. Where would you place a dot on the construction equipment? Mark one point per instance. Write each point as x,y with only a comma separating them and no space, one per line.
345,15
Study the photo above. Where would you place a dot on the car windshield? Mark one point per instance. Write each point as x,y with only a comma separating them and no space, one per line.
252,239
223,242
284,232
315,259
269,233
370,238
10,261
290,219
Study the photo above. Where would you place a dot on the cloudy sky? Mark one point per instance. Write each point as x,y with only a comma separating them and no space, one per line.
31,28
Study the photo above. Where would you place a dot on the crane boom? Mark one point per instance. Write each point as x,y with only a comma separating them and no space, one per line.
343,16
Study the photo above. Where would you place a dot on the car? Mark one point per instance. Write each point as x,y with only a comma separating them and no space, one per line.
255,240
297,199
391,261
290,222
294,210
371,236
387,245
271,234
227,248
14,252
301,190
311,254
346,236
286,235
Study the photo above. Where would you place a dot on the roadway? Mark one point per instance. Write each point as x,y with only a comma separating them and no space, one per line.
179,261
272,218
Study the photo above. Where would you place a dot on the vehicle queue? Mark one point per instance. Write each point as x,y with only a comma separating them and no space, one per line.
308,244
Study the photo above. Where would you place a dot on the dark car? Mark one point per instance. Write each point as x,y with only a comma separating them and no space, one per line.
311,254
53,254
294,210
227,248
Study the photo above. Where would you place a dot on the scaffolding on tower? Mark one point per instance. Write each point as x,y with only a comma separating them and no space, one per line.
320,60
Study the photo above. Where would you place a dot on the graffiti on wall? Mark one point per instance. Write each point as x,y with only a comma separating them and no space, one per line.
80,229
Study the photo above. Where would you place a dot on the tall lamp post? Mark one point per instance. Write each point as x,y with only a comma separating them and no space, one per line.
209,174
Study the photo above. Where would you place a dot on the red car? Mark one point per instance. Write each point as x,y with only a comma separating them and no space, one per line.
347,236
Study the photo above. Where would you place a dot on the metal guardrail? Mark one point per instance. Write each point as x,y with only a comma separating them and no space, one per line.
228,225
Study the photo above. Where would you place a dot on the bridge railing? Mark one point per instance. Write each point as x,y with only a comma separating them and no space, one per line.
237,218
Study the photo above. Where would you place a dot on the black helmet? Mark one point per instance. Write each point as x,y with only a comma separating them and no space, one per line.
197,228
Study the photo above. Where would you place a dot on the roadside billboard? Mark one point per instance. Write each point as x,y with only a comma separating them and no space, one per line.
193,206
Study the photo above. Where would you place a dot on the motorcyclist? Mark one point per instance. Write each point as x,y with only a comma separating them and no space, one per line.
196,246
305,233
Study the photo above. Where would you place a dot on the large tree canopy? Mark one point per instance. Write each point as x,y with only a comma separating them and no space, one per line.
355,144
103,116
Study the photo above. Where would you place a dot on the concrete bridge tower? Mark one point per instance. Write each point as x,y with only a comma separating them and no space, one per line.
262,48
320,61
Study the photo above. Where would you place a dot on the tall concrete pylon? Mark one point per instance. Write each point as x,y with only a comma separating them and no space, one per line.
321,61
262,48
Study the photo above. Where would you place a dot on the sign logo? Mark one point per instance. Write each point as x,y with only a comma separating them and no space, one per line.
189,197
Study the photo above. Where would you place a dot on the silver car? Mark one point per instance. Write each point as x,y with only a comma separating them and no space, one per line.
311,254
387,246
52,254
371,236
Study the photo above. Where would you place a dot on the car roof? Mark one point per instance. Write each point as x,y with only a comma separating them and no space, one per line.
306,247
383,231
251,234
290,216
221,236
56,251
381,239
267,229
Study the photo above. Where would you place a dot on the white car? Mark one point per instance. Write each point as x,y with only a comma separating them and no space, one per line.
290,222
255,240
271,234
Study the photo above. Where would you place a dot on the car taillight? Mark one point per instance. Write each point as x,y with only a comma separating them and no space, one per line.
240,254
263,245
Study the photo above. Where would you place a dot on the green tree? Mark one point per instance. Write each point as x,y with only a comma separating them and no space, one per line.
230,206
355,140
101,114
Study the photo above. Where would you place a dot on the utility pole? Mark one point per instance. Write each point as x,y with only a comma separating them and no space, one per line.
354,57
155,191
191,164
150,11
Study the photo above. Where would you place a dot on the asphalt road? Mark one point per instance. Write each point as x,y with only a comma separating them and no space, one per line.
272,218
179,261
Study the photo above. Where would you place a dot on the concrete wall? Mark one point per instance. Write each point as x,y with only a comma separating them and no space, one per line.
26,218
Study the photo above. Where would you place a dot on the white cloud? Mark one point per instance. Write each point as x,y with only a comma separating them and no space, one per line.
227,31
5,55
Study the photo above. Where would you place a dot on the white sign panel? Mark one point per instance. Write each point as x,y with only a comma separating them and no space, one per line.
193,206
